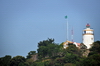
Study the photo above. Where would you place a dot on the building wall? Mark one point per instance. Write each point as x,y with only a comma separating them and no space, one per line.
88,40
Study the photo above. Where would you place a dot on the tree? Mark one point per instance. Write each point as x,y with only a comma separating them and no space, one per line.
71,58
29,61
30,54
95,47
53,50
82,46
59,62
73,49
45,42
15,61
47,48
21,64
93,60
42,51
4,61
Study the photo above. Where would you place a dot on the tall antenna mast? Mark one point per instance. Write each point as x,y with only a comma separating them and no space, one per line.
72,34
67,26
67,29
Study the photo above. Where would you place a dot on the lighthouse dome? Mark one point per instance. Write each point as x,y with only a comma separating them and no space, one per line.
87,26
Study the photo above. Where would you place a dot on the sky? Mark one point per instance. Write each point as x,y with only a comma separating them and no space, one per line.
24,23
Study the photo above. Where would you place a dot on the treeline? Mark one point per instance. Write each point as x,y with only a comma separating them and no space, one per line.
51,54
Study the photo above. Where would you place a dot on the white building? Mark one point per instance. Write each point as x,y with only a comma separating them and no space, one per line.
88,36
65,44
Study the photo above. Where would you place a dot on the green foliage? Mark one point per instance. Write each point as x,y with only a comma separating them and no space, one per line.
93,60
95,47
47,48
30,54
52,54
29,61
33,64
21,64
15,61
4,61
26,64
47,63
45,42
71,58
38,64
73,49
59,61
83,50
82,46
69,64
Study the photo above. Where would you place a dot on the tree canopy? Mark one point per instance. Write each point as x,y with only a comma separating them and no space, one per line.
50,53
47,48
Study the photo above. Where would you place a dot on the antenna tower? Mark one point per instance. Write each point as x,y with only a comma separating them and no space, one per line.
72,34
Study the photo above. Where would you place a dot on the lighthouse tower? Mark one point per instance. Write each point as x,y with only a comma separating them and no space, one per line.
88,36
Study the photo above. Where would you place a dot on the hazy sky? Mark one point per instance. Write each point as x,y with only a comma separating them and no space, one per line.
24,23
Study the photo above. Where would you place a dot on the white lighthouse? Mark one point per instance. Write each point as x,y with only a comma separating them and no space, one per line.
88,36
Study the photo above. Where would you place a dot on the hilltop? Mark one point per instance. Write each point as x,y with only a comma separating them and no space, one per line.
50,53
